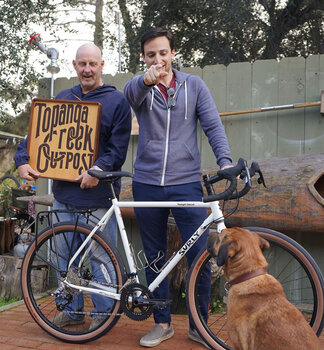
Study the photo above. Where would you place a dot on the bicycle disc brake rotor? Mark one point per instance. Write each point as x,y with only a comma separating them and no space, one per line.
135,302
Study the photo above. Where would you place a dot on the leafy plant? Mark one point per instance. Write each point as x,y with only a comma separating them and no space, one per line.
5,198
5,301
216,307
7,183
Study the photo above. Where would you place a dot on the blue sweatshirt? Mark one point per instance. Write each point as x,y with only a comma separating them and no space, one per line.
167,152
113,142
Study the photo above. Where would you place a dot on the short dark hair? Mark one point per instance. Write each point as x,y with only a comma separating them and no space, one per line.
153,33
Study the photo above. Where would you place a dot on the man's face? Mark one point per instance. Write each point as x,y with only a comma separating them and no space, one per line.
158,51
88,65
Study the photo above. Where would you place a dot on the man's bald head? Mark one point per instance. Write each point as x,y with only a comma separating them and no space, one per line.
89,48
88,64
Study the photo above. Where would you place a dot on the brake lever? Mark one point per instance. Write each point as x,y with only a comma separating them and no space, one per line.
261,179
247,177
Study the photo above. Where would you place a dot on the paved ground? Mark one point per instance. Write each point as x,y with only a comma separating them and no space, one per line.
19,331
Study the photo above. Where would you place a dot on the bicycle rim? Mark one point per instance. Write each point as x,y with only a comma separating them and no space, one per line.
101,267
288,262
10,180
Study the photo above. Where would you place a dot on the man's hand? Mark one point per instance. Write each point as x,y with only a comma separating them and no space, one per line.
27,172
230,166
227,166
87,181
154,74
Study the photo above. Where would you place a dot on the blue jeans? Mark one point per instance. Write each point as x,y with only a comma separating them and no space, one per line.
99,267
153,228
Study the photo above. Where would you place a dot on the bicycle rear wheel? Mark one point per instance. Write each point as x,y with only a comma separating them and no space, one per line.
48,299
289,263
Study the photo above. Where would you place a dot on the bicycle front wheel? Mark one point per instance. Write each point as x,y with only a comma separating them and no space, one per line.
289,263
50,290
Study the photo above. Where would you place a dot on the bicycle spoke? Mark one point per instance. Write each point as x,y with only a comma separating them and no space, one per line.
287,262
43,273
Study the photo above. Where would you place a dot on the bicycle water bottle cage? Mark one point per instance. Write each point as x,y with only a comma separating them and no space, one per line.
153,265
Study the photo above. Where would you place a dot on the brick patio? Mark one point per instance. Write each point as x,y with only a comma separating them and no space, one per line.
19,331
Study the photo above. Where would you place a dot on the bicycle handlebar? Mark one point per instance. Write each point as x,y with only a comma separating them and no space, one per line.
240,169
231,174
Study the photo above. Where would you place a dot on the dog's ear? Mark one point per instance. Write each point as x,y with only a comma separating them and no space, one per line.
226,250
211,241
264,244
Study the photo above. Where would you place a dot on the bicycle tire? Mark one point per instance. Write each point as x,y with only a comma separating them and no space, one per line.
294,260
39,280
10,177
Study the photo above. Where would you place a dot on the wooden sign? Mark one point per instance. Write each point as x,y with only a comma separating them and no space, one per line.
63,137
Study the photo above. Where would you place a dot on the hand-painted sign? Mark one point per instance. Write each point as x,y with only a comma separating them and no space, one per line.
63,137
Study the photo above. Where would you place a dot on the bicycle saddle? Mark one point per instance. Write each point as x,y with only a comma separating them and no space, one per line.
109,176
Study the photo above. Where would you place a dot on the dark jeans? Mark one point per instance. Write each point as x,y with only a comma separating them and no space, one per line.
153,228
98,259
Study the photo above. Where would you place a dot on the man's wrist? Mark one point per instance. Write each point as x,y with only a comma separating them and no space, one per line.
146,83
95,167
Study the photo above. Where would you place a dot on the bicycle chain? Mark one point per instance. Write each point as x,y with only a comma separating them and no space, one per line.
85,313
84,282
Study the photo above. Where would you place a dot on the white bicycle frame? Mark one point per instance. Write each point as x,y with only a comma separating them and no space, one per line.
215,216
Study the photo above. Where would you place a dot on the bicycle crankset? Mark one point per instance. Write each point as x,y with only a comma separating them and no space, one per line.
135,301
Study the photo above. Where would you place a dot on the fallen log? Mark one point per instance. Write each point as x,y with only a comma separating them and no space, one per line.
293,199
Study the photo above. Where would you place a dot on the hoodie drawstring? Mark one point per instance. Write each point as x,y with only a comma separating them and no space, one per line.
152,98
186,100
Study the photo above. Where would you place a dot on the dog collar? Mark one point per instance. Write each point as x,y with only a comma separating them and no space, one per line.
245,277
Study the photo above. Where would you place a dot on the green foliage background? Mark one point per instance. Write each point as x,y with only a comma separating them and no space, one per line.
18,78
206,32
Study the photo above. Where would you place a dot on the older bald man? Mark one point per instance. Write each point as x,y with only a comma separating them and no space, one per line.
87,192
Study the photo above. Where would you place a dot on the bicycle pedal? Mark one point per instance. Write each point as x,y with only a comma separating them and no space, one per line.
161,304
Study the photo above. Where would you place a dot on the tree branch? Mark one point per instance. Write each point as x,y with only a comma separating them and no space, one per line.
81,21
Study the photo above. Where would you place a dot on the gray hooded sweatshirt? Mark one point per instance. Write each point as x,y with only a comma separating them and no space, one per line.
167,152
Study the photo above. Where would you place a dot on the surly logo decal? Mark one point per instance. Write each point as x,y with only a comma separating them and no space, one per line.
189,243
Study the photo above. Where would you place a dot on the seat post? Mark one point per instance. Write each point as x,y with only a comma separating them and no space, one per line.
112,191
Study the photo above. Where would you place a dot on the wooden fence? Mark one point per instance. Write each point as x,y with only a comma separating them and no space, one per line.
243,86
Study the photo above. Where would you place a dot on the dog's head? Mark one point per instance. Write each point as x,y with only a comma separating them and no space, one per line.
238,250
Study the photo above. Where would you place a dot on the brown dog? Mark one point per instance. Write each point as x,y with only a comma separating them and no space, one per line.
259,315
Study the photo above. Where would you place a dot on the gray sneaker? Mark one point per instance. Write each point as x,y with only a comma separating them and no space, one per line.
193,335
157,335
62,320
96,322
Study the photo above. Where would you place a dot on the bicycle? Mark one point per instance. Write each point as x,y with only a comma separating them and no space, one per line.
297,271
11,189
